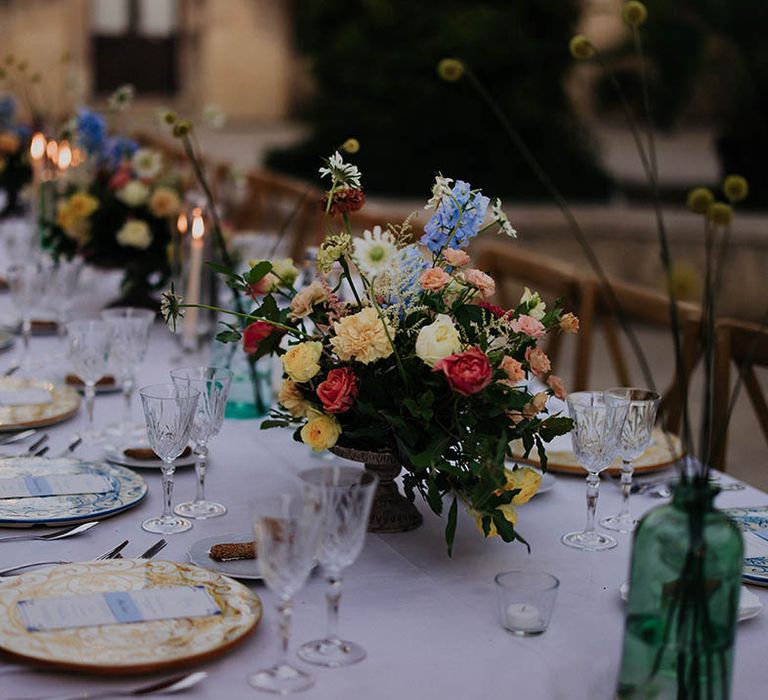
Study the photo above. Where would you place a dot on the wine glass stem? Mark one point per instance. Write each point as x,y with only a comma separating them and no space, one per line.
285,610
593,484
90,396
201,467
128,387
626,486
167,490
333,600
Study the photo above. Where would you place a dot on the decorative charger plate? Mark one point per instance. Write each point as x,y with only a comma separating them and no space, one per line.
128,488
562,459
140,647
64,403
753,520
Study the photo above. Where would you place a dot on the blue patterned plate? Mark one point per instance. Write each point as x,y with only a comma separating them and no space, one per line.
128,488
755,522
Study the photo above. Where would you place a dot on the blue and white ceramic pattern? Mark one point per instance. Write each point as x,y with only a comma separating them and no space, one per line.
128,488
753,520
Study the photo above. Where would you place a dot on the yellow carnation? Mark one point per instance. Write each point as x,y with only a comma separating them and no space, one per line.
362,337
450,69
82,204
700,199
524,478
507,510
720,214
301,361
581,47
291,398
634,13
321,432
736,188
164,202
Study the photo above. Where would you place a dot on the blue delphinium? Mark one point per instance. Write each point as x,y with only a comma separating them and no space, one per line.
465,208
91,130
116,148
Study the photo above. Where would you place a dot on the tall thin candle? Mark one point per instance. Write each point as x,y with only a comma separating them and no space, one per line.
197,243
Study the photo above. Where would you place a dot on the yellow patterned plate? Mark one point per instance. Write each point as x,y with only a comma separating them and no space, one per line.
64,403
657,456
140,647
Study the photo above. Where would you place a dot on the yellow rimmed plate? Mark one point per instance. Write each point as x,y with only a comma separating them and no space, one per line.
657,456
64,403
140,647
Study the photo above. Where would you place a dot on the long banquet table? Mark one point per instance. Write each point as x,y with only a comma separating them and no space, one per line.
429,622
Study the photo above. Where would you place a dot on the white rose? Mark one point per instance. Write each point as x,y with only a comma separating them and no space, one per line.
147,163
285,270
537,307
438,340
134,194
134,234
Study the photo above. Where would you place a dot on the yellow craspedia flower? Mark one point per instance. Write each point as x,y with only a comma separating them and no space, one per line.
685,280
581,48
524,478
362,337
321,432
700,199
169,117
720,214
351,146
82,205
507,510
736,188
301,361
292,400
634,13
450,69
182,128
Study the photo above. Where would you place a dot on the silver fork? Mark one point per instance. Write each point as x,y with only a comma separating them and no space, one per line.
70,531
110,554
15,437
169,685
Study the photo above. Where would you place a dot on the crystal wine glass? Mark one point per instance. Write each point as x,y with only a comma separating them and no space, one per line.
635,437
213,384
169,411
595,436
287,529
347,496
65,275
129,332
88,352
27,283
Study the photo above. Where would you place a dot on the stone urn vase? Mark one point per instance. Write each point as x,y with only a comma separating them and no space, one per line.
391,511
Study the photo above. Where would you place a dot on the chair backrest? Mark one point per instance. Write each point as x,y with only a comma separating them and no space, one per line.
744,344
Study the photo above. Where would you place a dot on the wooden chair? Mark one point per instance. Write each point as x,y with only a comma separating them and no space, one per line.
744,344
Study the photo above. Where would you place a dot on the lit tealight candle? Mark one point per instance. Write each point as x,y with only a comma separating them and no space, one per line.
37,146
181,223
65,155
521,617
52,151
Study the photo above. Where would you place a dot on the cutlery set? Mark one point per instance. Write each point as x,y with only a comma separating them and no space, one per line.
38,448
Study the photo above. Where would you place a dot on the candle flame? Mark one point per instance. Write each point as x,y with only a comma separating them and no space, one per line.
52,150
182,224
198,225
37,146
65,155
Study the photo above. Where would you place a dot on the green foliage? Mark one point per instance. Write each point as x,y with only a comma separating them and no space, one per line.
374,66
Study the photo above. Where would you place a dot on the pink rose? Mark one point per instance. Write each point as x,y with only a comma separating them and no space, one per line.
529,326
265,285
467,372
557,386
480,281
455,258
434,279
569,323
339,390
255,333
512,368
537,361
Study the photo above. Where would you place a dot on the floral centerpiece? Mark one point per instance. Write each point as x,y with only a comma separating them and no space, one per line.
414,361
15,168
116,209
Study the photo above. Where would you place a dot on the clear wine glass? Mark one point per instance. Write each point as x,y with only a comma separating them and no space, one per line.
347,496
595,436
65,275
27,283
129,332
88,352
287,529
169,411
635,437
213,383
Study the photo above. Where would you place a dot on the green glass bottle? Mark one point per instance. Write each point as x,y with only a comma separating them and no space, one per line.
685,581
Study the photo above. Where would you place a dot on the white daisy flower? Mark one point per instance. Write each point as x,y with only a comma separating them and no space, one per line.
501,219
440,189
375,252
169,308
341,173
122,98
147,163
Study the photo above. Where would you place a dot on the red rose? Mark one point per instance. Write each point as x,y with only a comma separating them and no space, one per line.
339,390
254,334
467,372
497,311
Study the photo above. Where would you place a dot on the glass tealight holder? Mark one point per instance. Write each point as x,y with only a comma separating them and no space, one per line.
526,600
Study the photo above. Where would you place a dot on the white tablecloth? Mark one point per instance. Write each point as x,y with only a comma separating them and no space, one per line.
429,623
